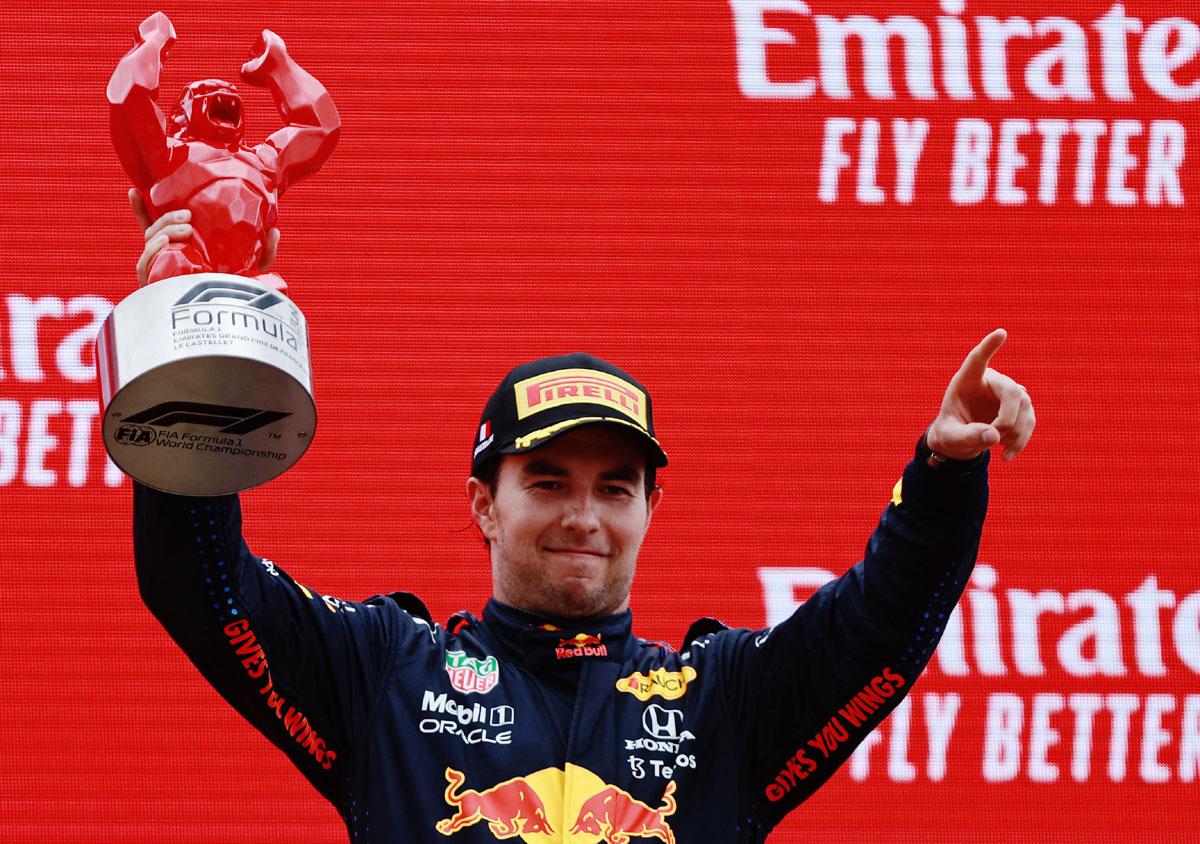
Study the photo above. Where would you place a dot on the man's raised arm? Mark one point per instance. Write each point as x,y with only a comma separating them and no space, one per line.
804,694
303,668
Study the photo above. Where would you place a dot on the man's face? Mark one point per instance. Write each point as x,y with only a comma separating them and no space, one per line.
566,522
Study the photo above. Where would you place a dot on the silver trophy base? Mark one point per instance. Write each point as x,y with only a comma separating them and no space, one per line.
206,384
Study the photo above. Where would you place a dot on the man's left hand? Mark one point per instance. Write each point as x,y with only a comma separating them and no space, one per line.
982,408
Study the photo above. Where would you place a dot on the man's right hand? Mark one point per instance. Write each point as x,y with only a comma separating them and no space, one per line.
173,227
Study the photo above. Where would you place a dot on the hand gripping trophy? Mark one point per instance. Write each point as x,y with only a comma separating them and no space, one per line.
204,373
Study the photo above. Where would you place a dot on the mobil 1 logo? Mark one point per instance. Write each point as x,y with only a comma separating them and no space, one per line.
472,723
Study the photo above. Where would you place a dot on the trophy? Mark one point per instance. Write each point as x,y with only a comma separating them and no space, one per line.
204,372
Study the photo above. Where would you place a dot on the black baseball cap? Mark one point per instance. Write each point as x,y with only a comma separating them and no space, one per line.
542,399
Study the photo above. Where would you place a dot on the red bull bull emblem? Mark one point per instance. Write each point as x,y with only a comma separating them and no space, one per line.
617,817
510,808
581,644
555,806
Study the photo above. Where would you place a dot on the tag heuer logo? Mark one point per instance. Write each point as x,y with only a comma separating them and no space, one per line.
470,675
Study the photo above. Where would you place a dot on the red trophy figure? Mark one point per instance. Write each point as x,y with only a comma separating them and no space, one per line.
204,372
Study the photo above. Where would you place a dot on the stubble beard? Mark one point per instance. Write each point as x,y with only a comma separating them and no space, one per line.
533,592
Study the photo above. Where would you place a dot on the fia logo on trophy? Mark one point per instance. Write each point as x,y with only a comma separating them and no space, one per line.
204,373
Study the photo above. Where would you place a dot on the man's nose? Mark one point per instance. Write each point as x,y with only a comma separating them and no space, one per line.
580,514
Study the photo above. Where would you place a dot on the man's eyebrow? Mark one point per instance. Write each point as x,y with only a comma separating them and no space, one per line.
622,473
629,474
544,467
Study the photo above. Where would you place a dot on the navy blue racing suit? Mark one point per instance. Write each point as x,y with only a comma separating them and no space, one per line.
527,728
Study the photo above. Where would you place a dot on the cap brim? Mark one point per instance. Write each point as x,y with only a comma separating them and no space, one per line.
655,455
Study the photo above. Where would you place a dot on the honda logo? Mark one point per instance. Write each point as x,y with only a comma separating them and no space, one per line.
663,723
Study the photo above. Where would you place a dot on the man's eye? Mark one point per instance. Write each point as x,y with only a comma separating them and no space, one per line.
547,485
617,490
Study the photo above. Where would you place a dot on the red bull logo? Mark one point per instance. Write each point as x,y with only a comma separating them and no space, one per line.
510,808
616,816
556,806
581,644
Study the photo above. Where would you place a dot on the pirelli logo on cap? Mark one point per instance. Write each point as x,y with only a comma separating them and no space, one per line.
580,386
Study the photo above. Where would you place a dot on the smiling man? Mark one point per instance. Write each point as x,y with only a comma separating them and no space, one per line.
547,720
563,496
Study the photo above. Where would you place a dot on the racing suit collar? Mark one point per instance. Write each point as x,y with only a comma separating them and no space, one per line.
549,643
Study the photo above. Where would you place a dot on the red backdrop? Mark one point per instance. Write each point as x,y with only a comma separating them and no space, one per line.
791,259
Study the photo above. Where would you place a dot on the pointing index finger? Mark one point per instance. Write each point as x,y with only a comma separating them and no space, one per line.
977,360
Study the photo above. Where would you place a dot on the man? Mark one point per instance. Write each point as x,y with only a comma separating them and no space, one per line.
547,720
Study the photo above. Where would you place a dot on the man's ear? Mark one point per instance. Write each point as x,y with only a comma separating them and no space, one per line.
482,505
652,503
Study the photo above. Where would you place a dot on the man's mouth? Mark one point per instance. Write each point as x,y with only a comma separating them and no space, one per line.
577,552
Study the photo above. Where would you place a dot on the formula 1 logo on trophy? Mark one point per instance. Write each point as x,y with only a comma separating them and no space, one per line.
204,372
